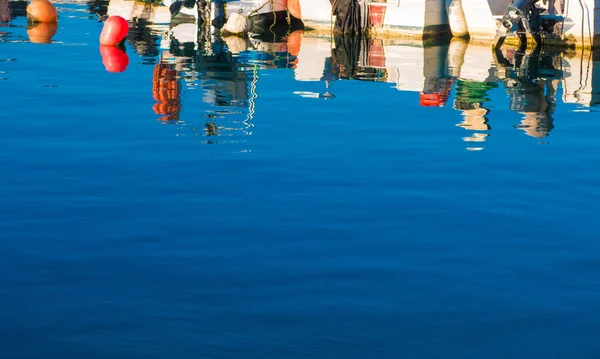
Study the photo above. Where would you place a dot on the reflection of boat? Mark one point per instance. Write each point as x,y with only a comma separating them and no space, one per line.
530,78
224,71
407,64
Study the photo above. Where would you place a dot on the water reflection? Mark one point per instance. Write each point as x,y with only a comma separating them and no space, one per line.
221,78
530,77
531,81
41,33
114,58
191,56
142,39
166,90
471,98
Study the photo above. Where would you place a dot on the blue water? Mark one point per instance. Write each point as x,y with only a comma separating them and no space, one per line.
264,224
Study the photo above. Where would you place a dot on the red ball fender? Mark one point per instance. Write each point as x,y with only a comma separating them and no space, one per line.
114,31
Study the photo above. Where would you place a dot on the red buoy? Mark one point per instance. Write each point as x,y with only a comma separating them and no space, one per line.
113,58
114,31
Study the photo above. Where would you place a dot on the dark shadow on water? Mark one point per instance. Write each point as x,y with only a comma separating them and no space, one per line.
530,78
346,54
531,81
142,39
358,58
99,8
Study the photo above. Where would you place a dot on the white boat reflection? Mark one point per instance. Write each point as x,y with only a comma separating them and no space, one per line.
225,70
530,77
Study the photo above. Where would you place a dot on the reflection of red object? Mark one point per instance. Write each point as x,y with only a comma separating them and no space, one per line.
294,41
166,91
376,55
432,99
440,96
376,15
293,44
114,59
114,31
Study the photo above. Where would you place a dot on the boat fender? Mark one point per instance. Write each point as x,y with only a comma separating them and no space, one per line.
41,11
456,18
237,24
114,31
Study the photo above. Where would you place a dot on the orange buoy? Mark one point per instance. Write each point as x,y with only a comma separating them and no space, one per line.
113,58
114,31
41,11
41,33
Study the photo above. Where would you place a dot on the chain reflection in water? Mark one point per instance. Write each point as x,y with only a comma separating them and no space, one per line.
225,70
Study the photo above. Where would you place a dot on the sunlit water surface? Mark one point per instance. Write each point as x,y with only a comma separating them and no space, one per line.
263,204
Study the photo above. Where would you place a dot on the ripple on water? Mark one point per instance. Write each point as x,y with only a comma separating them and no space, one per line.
338,197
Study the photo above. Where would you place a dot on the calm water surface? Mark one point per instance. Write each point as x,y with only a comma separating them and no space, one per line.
320,198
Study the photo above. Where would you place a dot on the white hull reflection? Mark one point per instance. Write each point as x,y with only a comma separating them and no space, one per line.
410,66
